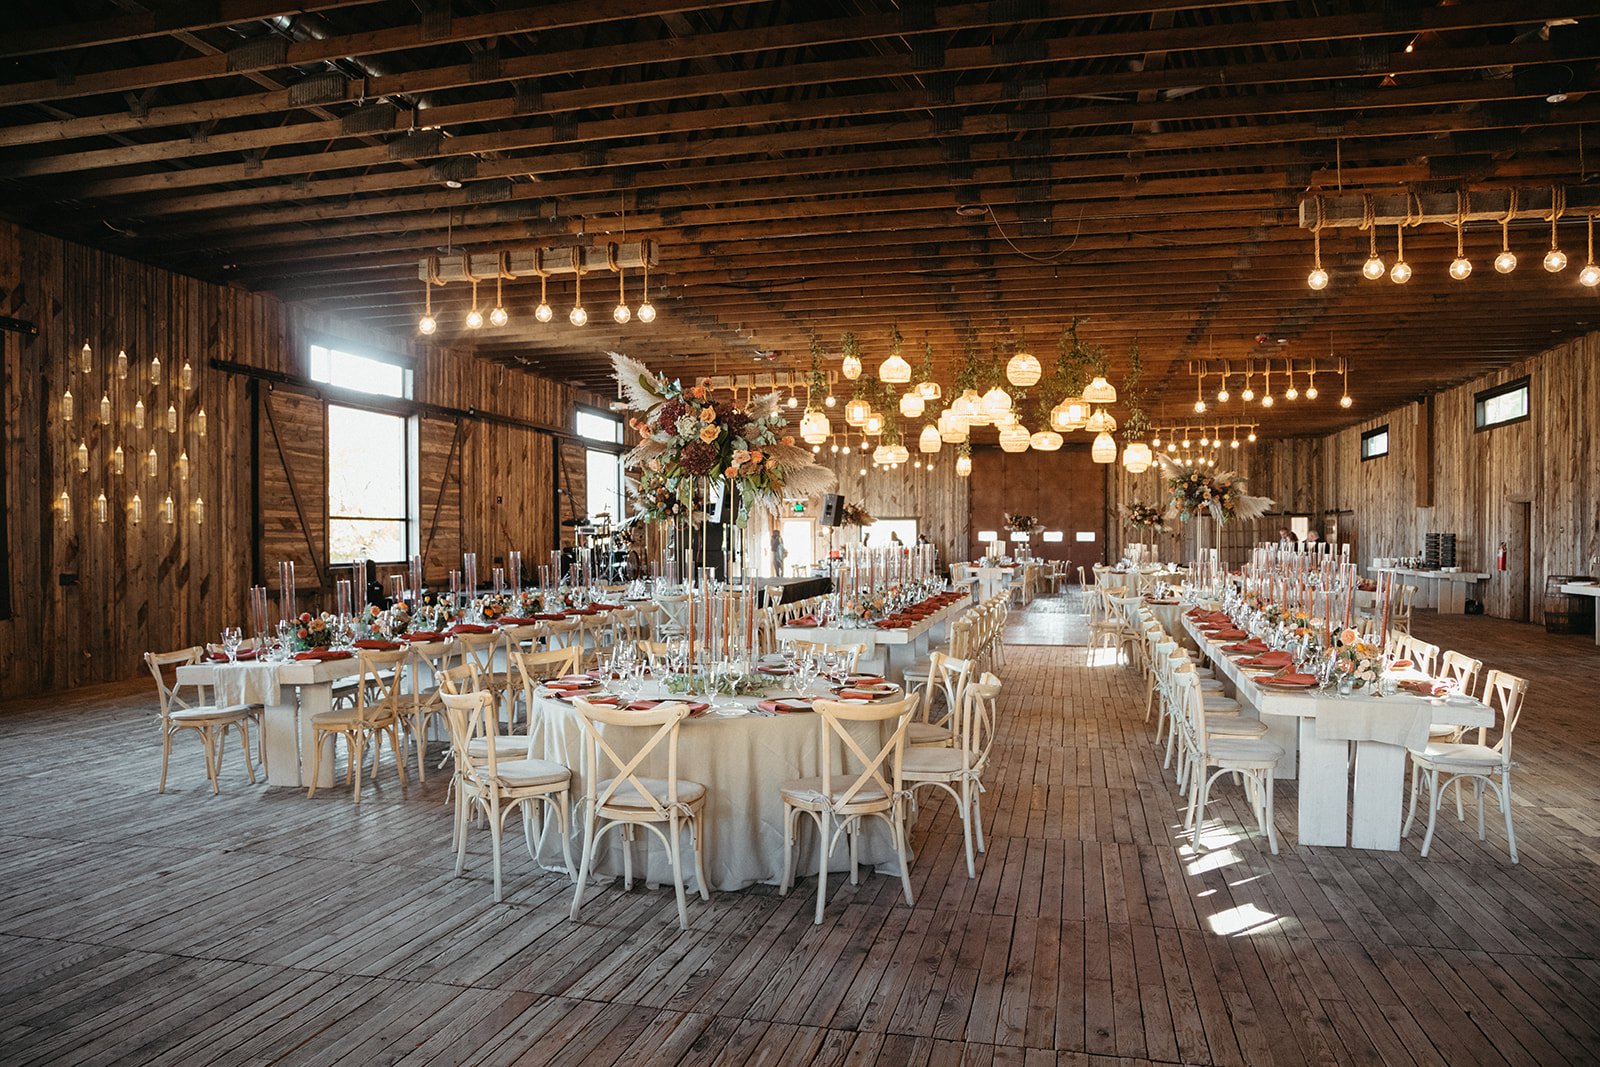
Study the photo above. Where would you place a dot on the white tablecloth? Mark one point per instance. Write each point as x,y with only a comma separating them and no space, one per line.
741,761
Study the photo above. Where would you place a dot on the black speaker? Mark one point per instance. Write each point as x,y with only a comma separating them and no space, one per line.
832,509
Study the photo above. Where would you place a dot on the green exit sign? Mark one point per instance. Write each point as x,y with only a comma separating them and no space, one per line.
799,507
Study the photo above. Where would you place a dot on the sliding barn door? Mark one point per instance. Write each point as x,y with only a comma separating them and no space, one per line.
292,487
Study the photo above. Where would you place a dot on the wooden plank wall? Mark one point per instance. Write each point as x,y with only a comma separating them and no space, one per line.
1550,462
1065,490
154,586
936,496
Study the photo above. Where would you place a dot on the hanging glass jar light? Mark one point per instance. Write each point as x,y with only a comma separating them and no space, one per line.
122,366
66,406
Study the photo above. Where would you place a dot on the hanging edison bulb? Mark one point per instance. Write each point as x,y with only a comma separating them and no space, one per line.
647,310
138,414
105,409
499,316
155,371
620,314
183,465
198,508
474,316
64,506
117,460
102,509
135,510
85,358
83,458
200,422
151,462
577,316
172,418
543,313
186,377
66,406
169,510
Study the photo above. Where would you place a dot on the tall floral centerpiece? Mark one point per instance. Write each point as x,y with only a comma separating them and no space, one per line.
1194,491
690,441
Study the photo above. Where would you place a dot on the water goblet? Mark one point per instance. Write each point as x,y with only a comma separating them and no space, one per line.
232,638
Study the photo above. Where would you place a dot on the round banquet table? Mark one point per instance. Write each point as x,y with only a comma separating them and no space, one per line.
741,760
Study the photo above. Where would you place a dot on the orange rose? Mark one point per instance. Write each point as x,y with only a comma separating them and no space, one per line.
788,441
709,433
708,414
733,472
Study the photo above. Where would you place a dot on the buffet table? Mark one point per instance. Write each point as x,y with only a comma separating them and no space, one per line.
1586,589
740,758
1444,591
1315,730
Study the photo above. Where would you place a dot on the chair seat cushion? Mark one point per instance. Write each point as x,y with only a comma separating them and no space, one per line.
205,712
1210,685
925,733
1447,755
348,717
1214,703
1442,731
807,792
1243,750
931,760
629,797
529,772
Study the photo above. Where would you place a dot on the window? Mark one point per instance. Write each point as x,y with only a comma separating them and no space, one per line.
1053,537
1501,405
380,375
885,532
602,466
369,485
1374,443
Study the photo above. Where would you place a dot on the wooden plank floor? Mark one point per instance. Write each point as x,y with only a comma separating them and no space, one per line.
259,927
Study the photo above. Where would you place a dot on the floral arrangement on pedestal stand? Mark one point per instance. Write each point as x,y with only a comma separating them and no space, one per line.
1194,491
690,440
1144,517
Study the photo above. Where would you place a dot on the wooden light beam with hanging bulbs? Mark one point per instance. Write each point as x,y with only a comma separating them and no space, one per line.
509,265
1499,207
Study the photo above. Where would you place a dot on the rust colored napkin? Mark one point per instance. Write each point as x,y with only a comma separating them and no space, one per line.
372,644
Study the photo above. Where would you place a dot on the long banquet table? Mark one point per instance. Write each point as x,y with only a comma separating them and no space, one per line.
1316,730
887,651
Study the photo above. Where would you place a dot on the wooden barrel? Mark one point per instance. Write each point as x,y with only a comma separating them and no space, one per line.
1564,613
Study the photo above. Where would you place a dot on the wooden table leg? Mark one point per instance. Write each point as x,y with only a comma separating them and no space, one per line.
1380,795
315,698
1324,788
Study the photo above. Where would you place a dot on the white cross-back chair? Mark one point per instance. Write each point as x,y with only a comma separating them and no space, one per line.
959,770
1252,760
837,801
947,679
626,799
497,787
1444,764
375,715
210,722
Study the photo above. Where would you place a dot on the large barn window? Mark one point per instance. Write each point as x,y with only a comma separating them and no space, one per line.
603,467
371,498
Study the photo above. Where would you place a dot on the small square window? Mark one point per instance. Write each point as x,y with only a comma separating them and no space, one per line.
1052,537
1375,443
1501,405
1086,536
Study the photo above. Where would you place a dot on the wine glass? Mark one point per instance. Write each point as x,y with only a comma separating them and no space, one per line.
232,638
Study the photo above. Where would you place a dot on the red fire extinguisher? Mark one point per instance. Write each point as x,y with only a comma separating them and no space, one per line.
1500,557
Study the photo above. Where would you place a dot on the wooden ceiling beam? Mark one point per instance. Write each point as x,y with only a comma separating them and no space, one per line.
1143,110
187,15
531,18
1388,124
